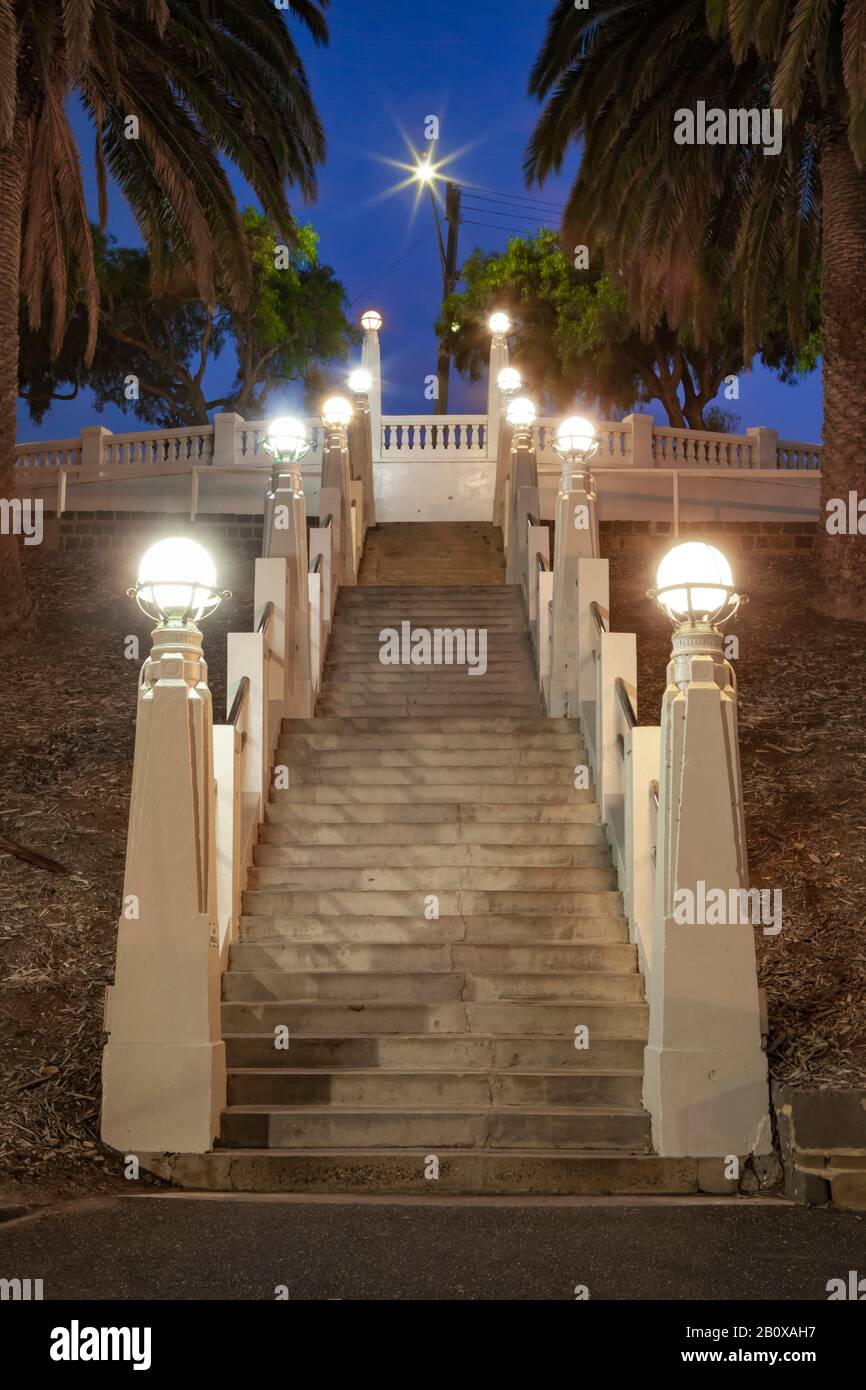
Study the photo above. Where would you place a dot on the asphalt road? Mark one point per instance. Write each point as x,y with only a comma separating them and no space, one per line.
166,1247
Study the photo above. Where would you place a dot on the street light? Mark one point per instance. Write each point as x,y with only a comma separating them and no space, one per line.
177,583
371,321
360,381
286,442
695,588
521,413
499,323
509,382
576,443
336,412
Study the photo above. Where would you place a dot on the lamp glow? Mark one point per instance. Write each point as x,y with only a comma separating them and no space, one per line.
521,413
499,323
287,439
509,381
177,582
694,583
425,172
336,412
575,436
371,321
360,381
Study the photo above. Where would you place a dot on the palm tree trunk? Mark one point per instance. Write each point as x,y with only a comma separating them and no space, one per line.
17,610
841,591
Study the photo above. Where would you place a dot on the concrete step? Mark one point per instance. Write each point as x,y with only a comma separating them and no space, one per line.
427,987
517,747
424,880
434,856
412,710
490,793
310,1127
383,1172
422,956
483,929
499,774
427,835
431,1052
309,1018
284,902
441,758
580,809
436,724
280,1086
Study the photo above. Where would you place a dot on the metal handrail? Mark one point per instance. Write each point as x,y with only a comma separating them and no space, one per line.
600,623
532,520
317,565
625,702
654,792
267,614
238,702
540,563
323,525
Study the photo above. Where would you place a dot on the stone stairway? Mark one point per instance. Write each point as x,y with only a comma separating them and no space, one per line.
431,923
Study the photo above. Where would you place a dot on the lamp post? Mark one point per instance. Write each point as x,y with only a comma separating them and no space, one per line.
521,487
336,493
361,440
285,537
497,399
705,1074
426,174
371,363
576,444
164,1064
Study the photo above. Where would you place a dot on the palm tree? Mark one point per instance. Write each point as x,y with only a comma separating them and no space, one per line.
173,88
692,220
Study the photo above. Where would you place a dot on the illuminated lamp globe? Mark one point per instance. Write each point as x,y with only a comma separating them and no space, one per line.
371,321
509,381
706,572
336,412
575,436
499,323
360,381
287,438
176,582
521,413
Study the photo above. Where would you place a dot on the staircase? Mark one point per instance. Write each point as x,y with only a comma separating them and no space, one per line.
431,924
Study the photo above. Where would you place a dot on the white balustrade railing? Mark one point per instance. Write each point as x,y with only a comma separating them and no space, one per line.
434,436
193,446
790,454
676,448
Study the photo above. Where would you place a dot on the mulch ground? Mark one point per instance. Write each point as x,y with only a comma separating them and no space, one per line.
67,707
67,728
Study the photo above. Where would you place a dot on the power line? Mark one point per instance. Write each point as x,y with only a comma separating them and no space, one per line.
517,231
492,193
391,267
517,216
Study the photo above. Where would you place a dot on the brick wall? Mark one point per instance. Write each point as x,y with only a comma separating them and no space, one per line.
135,531
730,535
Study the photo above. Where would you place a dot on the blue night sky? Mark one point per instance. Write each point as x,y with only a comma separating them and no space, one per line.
389,65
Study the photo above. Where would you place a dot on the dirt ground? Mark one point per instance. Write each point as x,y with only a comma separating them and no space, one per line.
67,706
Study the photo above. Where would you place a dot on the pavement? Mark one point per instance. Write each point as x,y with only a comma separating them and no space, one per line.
211,1246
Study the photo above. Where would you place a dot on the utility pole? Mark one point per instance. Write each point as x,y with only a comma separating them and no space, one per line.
448,256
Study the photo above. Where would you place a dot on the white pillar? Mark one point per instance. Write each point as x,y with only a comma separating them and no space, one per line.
641,439
498,360
163,1068
372,363
361,455
336,475
93,439
225,426
705,1076
764,447
573,542
288,538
